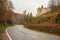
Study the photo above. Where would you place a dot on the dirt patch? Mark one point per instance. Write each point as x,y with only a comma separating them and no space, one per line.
0,35
3,36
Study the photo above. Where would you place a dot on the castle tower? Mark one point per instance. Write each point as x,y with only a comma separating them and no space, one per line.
42,6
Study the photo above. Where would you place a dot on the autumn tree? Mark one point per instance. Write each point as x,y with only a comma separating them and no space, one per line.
10,5
4,9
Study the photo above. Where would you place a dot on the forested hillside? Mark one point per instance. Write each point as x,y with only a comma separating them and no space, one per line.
50,17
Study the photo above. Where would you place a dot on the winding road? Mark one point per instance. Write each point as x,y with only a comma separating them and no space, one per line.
18,32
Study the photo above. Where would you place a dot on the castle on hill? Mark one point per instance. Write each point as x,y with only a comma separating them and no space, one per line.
42,10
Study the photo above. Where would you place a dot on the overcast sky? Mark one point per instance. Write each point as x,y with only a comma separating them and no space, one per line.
29,5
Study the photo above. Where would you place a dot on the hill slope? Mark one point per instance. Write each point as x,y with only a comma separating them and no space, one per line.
47,17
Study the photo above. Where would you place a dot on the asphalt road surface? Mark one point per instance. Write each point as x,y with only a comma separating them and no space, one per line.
18,32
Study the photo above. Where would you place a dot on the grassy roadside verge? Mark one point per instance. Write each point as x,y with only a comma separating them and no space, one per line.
2,31
3,27
50,30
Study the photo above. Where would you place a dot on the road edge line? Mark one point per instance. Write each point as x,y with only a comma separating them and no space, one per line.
8,34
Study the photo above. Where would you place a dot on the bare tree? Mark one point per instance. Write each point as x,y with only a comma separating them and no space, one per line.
54,4
24,13
31,16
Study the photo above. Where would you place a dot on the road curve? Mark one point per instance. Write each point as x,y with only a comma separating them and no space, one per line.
18,32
